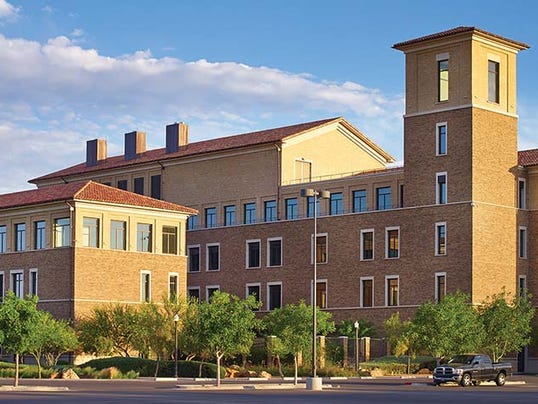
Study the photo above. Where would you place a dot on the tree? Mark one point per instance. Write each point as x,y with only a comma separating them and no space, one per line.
110,329
50,339
347,328
292,325
18,320
447,328
401,337
507,324
226,326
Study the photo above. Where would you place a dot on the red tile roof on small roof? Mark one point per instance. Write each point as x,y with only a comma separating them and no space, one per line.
224,143
86,191
528,158
459,30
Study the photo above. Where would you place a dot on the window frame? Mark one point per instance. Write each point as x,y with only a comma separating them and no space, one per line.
378,199
270,211
116,231
293,207
3,239
521,193
314,248
176,294
259,297
441,189
207,247
437,247
522,292
269,252
336,204
169,238
362,279
439,275
230,218
145,293
438,143
361,247
269,284
139,239
191,288
359,199
138,185
387,242
90,227
19,241
495,74
62,232
387,290
155,185
326,283
40,235
192,222
122,184
210,217
247,253
21,283
189,258
522,242
33,282
2,286
441,95
249,213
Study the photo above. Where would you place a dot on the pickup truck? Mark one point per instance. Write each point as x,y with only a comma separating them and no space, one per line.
471,369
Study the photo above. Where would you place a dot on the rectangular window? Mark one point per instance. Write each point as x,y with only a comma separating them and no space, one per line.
522,242
253,289
20,237
145,286
229,215
117,235
2,287
210,217
442,69
62,232
441,188
139,185
392,286
3,239
253,253
522,286
213,257
249,213
367,244
156,186
17,283
144,240
383,198
310,206
321,294
359,201
173,287
194,258
292,210
194,293
274,295
521,194
192,222
303,170
440,238
274,252
210,291
321,249
337,203
367,292
440,286
33,282
392,242
493,81
39,234
441,139
122,184
90,232
401,195
270,211
169,240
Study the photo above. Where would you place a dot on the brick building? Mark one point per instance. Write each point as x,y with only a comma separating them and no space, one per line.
81,244
459,215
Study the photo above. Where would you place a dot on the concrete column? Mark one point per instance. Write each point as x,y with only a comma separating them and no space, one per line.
343,342
322,351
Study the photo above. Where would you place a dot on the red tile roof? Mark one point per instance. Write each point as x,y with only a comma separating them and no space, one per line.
528,157
207,146
86,191
459,30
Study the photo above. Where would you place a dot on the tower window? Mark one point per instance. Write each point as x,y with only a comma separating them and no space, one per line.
442,69
493,81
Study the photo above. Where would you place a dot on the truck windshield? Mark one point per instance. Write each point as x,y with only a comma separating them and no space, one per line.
463,359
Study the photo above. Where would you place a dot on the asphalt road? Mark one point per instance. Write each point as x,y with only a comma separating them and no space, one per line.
378,391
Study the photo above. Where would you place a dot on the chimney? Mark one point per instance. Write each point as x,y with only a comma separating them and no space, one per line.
95,151
177,135
135,144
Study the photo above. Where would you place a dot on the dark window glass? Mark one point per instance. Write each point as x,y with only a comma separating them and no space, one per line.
337,203
156,186
275,253
213,258
139,185
310,206
194,294
122,184
441,189
383,200
211,217
253,254
321,249
292,211
169,240
393,243
441,287
321,295
194,259
392,290
275,296
359,201
173,287
441,139
192,222
211,292
521,202
254,290
3,239
39,230
367,245
17,281
250,213
367,293
493,81
229,215
270,211
33,283
20,237
146,287
441,239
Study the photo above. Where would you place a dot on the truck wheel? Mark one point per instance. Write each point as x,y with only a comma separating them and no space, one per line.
466,380
500,379
476,382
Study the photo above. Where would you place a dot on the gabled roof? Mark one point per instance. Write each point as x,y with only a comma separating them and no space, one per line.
528,158
86,191
207,146
458,31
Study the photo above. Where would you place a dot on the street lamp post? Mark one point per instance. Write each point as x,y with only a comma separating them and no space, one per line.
316,195
176,319
356,346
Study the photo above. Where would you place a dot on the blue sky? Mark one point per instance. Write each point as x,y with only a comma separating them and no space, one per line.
74,70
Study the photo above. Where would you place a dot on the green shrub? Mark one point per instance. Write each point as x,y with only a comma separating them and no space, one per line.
146,367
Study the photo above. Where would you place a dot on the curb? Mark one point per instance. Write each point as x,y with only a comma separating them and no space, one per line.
33,388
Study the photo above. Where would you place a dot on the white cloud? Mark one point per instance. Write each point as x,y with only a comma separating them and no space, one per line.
69,94
8,11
